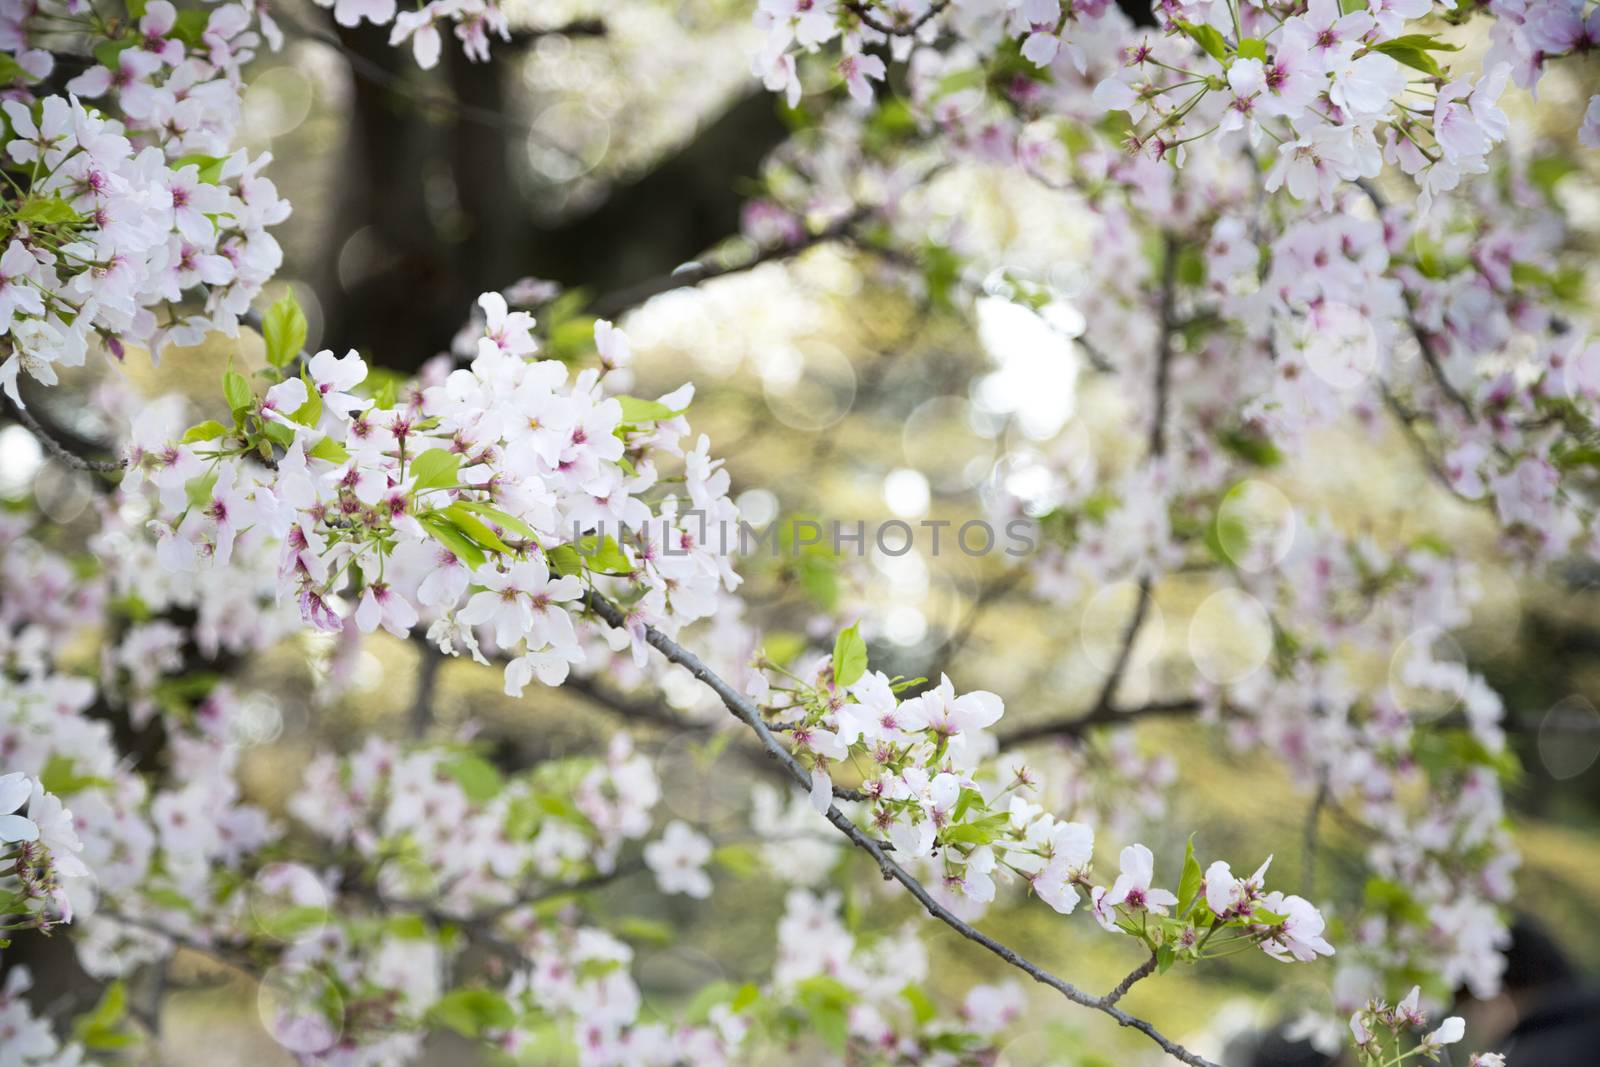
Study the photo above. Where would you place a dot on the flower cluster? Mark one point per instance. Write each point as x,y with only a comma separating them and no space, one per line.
1380,1031
930,794
139,224
42,849
1338,92
473,22
473,505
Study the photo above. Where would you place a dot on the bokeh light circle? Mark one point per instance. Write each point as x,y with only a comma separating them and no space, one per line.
1569,737
1105,621
288,902
1341,347
812,390
1230,636
1426,672
1255,526
301,1008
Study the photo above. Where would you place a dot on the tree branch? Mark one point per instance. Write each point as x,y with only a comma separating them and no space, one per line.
1104,715
1430,353
58,450
904,28
656,714
1144,970
747,713
614,304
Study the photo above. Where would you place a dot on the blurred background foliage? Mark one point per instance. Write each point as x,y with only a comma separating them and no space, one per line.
608,145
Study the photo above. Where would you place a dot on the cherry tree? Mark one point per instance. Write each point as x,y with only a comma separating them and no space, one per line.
1302,216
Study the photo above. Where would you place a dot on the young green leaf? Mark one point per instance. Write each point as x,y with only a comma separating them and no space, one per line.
476,528
434,469
283,328
198,490
1193,879
469,1012
443,531
635,411
236,391
209,430
1207,38
329,450
504,520
849,656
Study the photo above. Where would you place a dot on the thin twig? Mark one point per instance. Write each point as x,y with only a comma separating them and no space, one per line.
421,715
1144,970
1169,289
1130,635
902,29
747,713
1430,352
653,712
371,71
1308,862
58,451
1105,715
614,304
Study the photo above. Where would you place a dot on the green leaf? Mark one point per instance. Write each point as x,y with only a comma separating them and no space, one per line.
167,897
984,831
1424,41
277,433
565,561
1193,879
309,413
283,328
210,167
435,469
738,860
479,779
236,391
746,997
1191,266
100,1029
1164,957
921,1007
11,71
190,26
1253,48
602,555
1412,57
109,53
46,211
469,1012
960,81
1412,49
209,430
1250,447
639,928
964,802
441,530
826,1001
288,923
198,490
849,656
1207,38
329,450
505,521
635,411
475,528
60,777
1547,171
709,996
